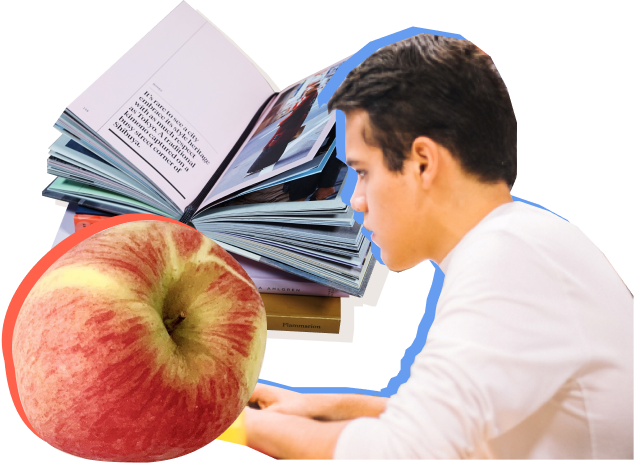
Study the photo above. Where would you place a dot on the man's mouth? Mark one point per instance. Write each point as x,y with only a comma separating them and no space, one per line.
370,230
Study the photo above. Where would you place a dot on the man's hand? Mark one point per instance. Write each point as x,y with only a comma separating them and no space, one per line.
316,406
282,401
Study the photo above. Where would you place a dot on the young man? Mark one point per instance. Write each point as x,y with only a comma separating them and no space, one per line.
531,351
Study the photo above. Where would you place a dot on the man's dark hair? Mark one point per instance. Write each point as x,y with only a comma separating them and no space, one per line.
442,88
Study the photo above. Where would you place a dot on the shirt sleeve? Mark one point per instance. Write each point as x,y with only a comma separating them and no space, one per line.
502,344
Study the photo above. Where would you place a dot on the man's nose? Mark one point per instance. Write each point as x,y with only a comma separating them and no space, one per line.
358,202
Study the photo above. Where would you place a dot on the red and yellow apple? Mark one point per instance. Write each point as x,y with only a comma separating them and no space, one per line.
141,343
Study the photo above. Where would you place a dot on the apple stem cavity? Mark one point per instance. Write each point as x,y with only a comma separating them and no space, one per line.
171,324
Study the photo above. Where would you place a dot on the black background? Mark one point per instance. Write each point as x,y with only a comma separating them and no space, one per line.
562,165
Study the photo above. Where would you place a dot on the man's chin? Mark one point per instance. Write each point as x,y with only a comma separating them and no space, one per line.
393,263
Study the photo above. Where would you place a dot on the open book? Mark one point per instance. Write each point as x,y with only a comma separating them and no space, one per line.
186,126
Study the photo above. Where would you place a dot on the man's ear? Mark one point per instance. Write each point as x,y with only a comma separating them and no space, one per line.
426,157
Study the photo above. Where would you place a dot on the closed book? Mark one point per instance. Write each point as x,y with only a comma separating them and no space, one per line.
235,433
297,313
272,280
85,220
84,217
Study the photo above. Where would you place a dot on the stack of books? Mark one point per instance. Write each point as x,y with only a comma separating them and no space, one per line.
186,126
266,278
292,304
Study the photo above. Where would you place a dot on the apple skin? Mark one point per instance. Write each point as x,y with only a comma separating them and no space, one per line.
98,373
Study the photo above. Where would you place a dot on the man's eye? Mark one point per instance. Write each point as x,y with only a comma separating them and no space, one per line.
361,174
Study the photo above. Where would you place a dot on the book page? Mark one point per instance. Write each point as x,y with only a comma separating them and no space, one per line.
176,103
288,134
272,84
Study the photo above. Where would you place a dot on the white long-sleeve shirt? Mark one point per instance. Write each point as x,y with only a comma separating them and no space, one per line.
530,354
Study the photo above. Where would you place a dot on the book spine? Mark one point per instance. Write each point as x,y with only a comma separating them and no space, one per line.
283,287
344,289
302,324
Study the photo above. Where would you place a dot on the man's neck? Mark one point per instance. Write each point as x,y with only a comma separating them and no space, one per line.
465,208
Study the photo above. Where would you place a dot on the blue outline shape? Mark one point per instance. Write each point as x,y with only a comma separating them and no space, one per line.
347,190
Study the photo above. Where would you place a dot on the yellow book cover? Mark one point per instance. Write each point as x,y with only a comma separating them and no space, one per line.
301,313
235,433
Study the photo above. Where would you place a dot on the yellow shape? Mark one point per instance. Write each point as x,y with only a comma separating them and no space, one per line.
235,433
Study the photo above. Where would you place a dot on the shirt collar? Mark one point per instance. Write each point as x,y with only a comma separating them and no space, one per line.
494,213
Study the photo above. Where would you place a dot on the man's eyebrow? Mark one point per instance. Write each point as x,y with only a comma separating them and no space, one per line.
353,162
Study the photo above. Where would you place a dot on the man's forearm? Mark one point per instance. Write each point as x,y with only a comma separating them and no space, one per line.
345,407
291,437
